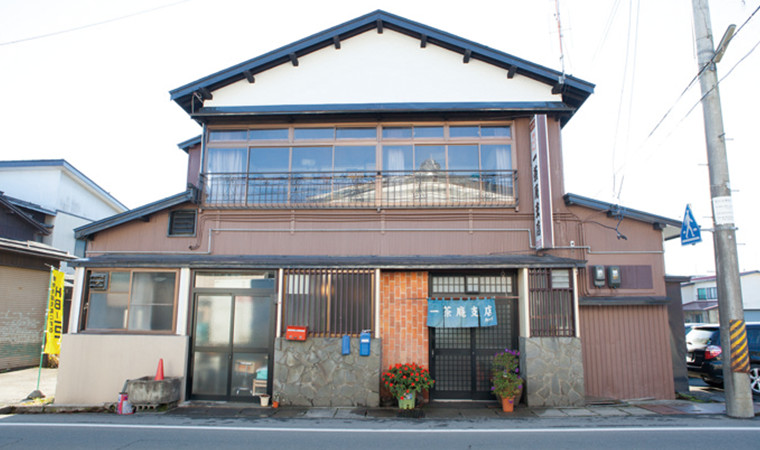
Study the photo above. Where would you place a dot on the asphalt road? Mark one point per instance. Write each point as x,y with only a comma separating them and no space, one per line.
85,431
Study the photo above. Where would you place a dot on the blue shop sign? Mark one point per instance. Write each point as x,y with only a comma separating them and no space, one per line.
461,313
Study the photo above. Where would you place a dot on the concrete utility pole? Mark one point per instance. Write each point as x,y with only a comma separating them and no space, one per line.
732,330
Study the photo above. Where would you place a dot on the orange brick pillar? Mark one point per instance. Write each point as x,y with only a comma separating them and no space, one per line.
403,308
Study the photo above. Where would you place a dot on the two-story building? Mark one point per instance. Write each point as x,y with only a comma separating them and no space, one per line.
357,180
700,298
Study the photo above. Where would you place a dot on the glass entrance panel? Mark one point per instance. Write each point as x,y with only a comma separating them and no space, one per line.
210,374
251,327
250,374
212,325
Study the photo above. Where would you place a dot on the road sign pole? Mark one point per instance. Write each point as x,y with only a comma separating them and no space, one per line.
738,395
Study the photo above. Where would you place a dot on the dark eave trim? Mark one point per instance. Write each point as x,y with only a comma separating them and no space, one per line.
622,301
575,91
40,227
616,210
191,195
369,108
186,145
449,262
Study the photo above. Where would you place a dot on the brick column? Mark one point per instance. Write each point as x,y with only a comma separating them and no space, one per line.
403,307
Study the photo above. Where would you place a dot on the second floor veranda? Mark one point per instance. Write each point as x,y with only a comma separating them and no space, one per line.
361,189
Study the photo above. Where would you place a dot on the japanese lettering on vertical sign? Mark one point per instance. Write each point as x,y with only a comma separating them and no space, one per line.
541,182
54,325
461,313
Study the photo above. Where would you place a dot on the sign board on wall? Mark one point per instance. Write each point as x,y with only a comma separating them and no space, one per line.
542,202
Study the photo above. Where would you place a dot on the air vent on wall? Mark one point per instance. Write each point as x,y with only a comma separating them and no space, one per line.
99,281
182,223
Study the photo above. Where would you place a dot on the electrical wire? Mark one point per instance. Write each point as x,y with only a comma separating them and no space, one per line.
69,30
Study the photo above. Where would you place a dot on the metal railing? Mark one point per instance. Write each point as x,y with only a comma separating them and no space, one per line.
360,189
551,310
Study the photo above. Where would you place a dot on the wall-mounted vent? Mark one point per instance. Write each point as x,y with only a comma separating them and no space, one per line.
182,222
99,281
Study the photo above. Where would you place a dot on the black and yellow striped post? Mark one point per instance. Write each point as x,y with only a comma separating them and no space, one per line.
739,351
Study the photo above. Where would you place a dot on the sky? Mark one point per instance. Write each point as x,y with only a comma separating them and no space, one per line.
89,81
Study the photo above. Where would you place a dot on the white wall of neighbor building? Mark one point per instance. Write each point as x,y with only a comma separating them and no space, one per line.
381,68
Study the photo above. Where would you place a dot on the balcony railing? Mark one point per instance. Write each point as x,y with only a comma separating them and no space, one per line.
388,189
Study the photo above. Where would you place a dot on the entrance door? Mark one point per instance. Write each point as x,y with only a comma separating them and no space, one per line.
460,358
232,345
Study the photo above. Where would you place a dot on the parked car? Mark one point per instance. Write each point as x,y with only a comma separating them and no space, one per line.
688,326
703,354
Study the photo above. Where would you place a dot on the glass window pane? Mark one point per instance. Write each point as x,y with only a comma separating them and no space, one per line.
249,374
397,132
227,135
268,134
398,158
212,325
119,282
357,133
152,301
312,159
349,158
463,157
227,160
498,131
463,131
210,372
496,157
428,132
430,157
252,321
107,311
269,159
314,133
234,280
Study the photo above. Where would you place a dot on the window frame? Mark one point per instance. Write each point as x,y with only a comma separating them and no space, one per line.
172,214
87,299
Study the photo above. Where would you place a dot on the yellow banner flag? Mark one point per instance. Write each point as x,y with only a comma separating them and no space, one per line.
54,324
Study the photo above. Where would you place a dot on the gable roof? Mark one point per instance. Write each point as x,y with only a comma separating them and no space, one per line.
9,204
573,90
90,229
671,228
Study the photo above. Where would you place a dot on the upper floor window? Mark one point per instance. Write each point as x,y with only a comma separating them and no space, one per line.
362,166
708,293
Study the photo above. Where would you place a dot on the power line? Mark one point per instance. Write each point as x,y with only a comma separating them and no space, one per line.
115,19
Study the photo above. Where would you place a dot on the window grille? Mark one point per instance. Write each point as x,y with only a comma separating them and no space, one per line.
552,312
329,302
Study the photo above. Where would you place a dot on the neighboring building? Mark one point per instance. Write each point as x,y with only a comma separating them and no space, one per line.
344,182
41,202
700,298
65,196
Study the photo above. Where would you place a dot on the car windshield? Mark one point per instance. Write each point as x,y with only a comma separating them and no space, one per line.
701,336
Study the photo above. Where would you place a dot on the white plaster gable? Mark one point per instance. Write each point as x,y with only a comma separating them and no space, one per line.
382,68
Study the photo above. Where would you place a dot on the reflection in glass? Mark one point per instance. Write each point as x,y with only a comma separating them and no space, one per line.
210,373
312,159
251,327
268,134
314,133
463,157
212,324
353,158
152,305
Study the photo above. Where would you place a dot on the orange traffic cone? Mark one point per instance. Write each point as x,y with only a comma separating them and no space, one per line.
160,371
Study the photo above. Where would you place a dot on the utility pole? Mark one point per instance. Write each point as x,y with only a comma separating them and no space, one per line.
732,330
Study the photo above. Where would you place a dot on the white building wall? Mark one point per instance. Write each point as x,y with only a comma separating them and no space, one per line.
381,68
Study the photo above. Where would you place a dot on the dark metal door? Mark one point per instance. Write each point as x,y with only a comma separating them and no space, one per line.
460,358
232,345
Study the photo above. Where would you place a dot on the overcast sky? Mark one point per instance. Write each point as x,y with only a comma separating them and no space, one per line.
88,81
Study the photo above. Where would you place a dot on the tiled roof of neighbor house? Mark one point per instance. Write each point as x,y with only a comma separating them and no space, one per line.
34,249
190,195
708,278
700,305
574,91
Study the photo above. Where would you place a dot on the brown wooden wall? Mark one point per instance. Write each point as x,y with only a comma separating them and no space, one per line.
626,352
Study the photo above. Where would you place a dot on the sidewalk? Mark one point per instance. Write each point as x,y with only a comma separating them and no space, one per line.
15,386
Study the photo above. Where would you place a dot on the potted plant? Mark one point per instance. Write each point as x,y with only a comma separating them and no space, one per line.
507,384
403,381
276,400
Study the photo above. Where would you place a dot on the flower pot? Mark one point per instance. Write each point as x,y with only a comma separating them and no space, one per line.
407,401
275,404
507,404
264,400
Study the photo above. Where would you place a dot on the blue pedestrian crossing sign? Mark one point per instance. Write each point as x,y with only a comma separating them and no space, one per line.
690,233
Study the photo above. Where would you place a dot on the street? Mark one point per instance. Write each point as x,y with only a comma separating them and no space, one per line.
90,431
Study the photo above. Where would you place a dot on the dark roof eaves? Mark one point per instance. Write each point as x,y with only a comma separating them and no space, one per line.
574,199
87,230
396,23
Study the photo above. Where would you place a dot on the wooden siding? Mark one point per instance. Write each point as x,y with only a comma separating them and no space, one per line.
626,352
